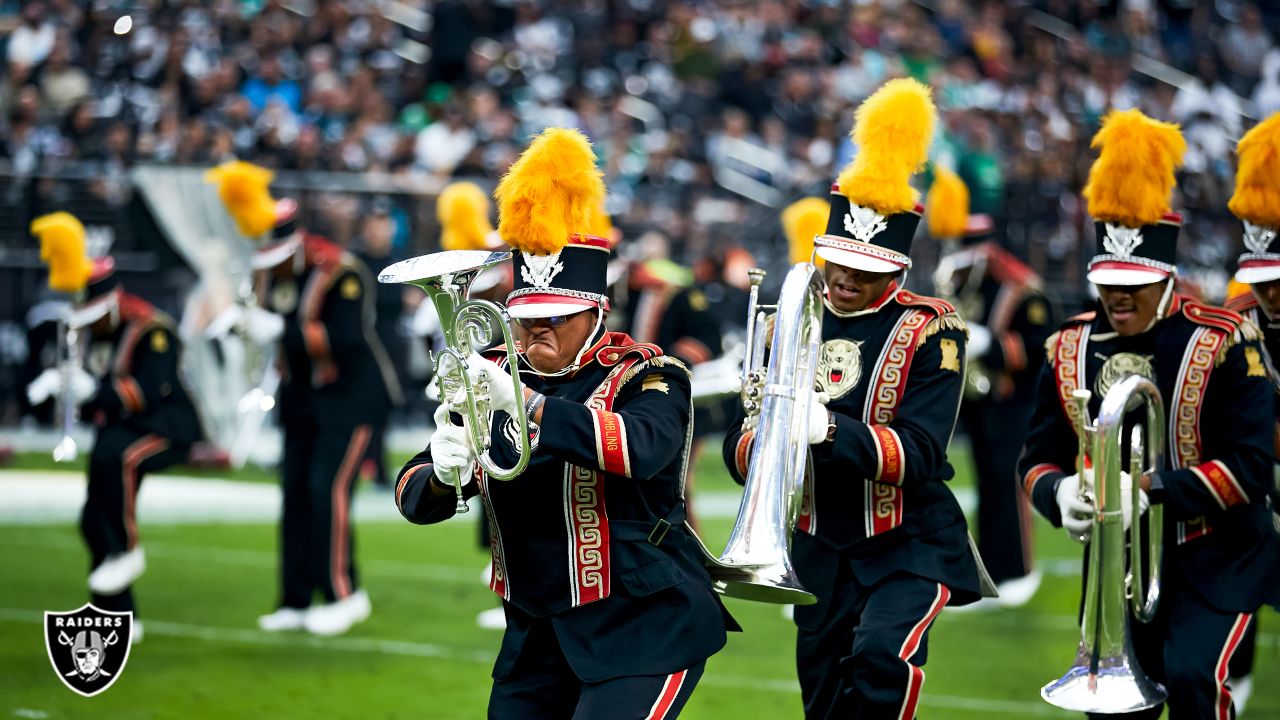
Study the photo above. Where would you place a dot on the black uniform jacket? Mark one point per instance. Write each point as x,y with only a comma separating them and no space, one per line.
1218,401
592,534
334,366
139,379
877,497
1009,301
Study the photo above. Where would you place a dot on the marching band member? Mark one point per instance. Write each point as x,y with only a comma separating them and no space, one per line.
1009,318
315,300
133,393
1209,368
1254,202
880,541
625,627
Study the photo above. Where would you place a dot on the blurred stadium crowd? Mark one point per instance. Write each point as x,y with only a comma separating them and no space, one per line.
709,116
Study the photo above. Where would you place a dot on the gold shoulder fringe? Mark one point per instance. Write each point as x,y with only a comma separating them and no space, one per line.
1246,331
655,362
949,321
1051,346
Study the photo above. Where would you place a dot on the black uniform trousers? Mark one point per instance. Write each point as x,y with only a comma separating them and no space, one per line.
108,522
996,431
867,659
1188,648
321,461
542,686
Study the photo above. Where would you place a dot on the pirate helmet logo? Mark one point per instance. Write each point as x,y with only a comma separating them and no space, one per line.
839,367
88,647
1258,238
1121,240
863,224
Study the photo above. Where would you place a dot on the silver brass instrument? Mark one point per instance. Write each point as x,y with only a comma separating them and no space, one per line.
467,326
69,361
1105,677
756,563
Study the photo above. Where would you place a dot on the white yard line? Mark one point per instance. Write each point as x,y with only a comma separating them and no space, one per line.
244,636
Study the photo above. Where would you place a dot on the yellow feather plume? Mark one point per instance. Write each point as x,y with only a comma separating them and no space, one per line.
463,212
242,187
599,223
803,220
947,205
1131,183
1257,196
62,248
549,193
892,129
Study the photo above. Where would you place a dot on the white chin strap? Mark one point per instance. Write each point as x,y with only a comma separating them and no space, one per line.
577,359
1165,299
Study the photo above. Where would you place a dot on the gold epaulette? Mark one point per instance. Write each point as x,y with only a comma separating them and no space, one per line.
1246,331
947,321
1051,345
660,361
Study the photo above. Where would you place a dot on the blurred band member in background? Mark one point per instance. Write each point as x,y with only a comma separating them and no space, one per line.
316,301
1004,306
131,389
625,628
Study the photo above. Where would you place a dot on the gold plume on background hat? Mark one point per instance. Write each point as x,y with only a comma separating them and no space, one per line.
892,130
802,221
463,212
549,193
62,248
242,187
1131,183
947,205
1257,195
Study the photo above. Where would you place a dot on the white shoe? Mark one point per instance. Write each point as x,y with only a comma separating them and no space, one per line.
1241,689
1018,592
135,636
286,618
337,617
118,572
492,619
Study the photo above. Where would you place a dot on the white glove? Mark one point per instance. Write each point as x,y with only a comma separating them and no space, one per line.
451,457
818,417
1077,515
1126,499
502,396
49,384
263,326
225,322
83,385
979,341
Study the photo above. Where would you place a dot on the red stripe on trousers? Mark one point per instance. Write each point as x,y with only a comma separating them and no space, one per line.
339,524
667,698
1224,659
134,455
915,679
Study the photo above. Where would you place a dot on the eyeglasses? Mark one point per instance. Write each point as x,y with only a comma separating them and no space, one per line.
554,321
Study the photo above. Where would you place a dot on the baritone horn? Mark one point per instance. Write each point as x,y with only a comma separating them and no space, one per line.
1105,677
756,563
468,326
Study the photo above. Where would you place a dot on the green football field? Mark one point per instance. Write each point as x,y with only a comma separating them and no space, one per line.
421,655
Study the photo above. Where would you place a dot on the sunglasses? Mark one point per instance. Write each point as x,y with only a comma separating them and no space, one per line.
554,321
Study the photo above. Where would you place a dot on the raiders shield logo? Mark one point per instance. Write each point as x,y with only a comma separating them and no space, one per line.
839,367
88,647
